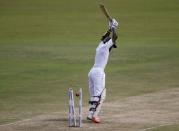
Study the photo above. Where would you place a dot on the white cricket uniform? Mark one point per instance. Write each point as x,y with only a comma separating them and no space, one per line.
96,75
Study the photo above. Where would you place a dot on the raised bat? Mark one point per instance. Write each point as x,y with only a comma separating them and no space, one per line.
105,12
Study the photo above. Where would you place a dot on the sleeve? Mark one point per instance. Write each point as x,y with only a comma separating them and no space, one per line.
107,34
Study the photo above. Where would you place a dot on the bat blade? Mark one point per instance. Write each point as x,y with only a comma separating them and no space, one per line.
105,12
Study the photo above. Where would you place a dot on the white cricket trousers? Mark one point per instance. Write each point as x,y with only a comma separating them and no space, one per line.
96,78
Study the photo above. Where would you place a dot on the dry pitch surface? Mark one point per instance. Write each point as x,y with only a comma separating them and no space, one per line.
137,113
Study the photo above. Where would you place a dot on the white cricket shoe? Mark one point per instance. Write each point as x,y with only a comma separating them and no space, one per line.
90,115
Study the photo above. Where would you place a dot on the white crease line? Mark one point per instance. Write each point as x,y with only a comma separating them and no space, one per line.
17,122
13,123
150,128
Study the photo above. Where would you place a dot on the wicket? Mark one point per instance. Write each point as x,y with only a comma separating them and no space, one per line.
72,121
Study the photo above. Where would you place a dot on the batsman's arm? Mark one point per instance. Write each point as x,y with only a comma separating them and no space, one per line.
114,36
107,34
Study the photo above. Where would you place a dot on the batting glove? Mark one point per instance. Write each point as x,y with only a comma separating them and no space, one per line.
114,24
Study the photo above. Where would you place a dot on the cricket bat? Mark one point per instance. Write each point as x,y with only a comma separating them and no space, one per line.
105,12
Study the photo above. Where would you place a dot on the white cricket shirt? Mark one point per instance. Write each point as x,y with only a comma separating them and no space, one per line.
102,54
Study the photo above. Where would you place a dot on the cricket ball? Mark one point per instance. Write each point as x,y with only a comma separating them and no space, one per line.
77,94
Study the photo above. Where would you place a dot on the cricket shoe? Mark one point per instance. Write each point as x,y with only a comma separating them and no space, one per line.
89,118
96,119
90,115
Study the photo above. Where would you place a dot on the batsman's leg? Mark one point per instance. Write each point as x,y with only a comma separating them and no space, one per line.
102,96
98,108
91,91
93,103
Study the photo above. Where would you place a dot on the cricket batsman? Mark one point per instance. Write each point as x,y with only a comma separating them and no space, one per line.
96,76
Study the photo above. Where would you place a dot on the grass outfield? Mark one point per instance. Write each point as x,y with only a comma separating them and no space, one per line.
48,46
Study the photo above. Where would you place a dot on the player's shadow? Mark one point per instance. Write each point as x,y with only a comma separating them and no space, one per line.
57,119
64,120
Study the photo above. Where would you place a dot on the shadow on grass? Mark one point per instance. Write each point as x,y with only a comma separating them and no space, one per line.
65,120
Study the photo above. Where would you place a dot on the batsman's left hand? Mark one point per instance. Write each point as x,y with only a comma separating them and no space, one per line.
114,23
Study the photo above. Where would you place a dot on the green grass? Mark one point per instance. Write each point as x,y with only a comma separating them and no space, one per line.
48,46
